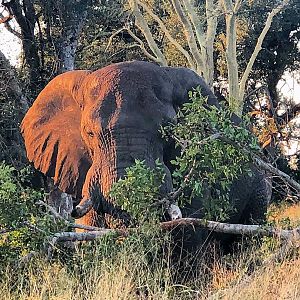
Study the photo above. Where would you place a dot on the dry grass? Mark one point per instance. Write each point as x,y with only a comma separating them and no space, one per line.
120,281
284,212
129,275
276,282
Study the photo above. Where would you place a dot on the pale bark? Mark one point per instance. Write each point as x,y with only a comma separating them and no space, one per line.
65,220
169,36
79,237
68,45
72,16
240,229
139,44
231,57
199,54
205,39
143,26
236,87
237,229
212,12
189,34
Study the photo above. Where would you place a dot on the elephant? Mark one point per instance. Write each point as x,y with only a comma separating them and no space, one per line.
86,127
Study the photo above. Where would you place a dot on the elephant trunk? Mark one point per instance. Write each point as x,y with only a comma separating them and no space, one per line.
115,154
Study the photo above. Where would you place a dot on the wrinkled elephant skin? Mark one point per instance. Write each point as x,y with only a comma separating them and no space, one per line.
86,127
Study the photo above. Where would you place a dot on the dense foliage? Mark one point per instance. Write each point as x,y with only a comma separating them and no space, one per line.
139,190
23,224
212,153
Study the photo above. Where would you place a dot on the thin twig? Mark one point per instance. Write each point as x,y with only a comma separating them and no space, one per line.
67,222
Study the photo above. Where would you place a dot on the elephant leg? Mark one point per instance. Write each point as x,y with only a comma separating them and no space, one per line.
91,218
256,208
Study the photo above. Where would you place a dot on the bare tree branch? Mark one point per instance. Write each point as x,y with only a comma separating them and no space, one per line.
168,35
237,5
140,44
258,47
268,167
204,39
53,211
143,26
256,159
240,229
12,30
189,34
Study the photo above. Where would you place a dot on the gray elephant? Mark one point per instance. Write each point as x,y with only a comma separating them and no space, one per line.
86,127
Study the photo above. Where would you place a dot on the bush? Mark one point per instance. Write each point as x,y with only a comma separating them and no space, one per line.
23,224
139,190
213,162
209,162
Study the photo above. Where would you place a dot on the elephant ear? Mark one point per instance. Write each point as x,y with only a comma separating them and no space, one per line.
51,130
184,80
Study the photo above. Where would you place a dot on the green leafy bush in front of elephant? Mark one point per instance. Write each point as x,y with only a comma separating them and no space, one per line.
212,149
139,190
214,162
23,225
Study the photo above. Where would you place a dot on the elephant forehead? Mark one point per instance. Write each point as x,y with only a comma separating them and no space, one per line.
119,90
128,77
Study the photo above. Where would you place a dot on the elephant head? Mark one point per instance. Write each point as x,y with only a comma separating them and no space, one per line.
86,127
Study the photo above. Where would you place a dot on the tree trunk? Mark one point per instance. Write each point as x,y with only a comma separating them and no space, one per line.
231,58
257,49
72,17
26,18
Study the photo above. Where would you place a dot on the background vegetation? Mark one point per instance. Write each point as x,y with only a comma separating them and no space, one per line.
57,36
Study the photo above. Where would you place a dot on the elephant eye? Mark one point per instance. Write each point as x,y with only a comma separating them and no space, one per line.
90,134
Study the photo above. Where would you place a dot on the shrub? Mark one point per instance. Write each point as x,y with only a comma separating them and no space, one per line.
139,190
210,162
23,224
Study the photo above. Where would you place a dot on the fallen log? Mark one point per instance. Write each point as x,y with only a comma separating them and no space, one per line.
238,229
80,237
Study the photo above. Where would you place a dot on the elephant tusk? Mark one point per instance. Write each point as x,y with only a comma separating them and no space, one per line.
174,212
81,209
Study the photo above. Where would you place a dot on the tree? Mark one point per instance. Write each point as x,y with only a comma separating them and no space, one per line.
103,20
198,23
237,87
199,39
67,19
25,15
280,52
63,24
